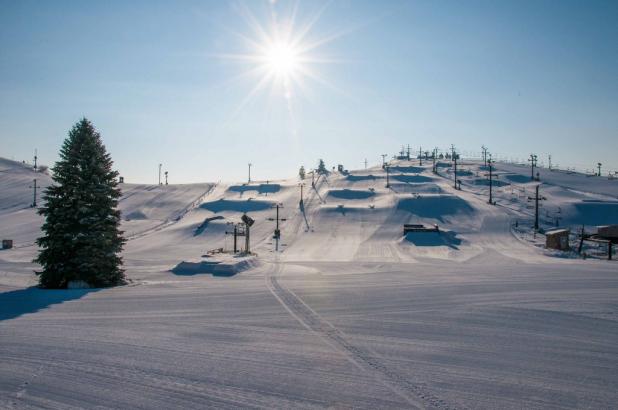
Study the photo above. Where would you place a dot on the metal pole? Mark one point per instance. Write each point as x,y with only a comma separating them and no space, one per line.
384,160
434,160
455,159
35,158
34,196
249,180
420,156
165,177
536,209
490,183
160,173
388,185
235,238
247,228
532,165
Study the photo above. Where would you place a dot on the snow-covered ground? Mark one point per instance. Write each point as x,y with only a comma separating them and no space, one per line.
349,313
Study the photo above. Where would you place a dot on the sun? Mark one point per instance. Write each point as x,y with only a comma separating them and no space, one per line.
281,55
282,59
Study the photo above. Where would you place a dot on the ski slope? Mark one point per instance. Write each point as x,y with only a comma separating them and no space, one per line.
348,313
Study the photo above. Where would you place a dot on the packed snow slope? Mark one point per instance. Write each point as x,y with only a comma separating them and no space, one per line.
348,312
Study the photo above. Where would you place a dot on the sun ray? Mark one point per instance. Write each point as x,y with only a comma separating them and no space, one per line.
282,54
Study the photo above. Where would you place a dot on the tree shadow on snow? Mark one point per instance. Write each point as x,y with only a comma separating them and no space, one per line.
19,302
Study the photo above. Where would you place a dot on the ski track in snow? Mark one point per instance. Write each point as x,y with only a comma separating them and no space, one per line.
414,394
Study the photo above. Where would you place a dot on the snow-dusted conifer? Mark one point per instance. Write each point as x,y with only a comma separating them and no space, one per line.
81,240
322,167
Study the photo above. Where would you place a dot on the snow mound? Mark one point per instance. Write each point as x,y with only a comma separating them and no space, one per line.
217,266
350,194
202,227
229,205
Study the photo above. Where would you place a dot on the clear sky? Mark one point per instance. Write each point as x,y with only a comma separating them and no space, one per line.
198,87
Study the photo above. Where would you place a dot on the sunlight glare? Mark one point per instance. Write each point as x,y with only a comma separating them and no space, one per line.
282,59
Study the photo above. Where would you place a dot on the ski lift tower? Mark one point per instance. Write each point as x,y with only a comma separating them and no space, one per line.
248,223
277,234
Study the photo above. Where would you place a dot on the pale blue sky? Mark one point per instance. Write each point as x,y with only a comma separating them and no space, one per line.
519,77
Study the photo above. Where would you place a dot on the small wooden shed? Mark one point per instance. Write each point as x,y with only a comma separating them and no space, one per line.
557,239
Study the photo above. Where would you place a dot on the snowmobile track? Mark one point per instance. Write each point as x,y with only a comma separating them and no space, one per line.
414,394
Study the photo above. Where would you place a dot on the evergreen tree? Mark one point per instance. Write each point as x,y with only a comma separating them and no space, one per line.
82,240
322,168
301,172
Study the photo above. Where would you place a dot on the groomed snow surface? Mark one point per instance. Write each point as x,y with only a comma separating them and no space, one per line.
350,313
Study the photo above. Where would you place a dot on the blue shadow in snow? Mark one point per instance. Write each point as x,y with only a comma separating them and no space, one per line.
407,170
15,303
236,206
411,178
518,179
357,178
485,182
261,189
435,206
442,238
350,194
595,213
